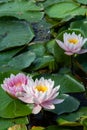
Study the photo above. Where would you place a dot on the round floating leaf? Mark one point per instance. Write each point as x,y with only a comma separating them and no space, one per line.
69,104
27,10
65,9
6,123
42,62
5,57
38,49
4,99
69,84
14,33
82,1
22,61
75,118
81,24
2,1
15,109
51,2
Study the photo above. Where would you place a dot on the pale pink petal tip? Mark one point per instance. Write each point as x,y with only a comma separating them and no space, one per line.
72,43
36,109
15,83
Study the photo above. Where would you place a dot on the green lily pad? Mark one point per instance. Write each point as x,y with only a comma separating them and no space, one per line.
22,61
6,123
14,33
11,108
80,24
72,103
65,9
27,10
82,1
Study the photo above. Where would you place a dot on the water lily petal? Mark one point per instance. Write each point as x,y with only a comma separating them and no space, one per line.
82,51
36,109
72,43
48,105
69,53
57,101
61,44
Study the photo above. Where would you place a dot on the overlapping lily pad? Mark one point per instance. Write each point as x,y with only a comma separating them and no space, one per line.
27,10
65,9
6,123
12,108
14,33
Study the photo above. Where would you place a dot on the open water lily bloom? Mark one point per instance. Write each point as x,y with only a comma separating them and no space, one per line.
72,43
43,94
15,83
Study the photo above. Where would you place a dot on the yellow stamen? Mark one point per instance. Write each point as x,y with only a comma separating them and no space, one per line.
73,40
41,88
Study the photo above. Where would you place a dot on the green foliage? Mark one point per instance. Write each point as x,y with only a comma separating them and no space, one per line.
28,33
62,108
11,108
6,123
65,9
81,25
14,33
79,115
27,10
22,61
82,1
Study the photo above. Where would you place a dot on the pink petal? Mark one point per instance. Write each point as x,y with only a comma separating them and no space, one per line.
36,109
61,44
69,53
57,101
25,98
82,51
48,105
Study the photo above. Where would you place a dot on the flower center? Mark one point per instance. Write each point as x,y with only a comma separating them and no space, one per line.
18,84
41,88
73,40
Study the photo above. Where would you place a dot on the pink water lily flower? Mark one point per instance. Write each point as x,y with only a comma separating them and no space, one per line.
72,43
43,94
15,83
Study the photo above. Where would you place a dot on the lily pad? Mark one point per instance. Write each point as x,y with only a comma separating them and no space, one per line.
72,103
82,1
14,33
22,61
65,9
27,10
6,123
10,107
